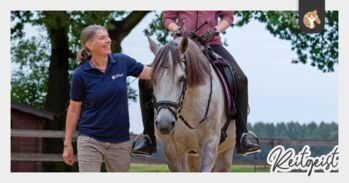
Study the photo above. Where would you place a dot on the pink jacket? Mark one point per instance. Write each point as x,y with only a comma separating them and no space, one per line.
191,20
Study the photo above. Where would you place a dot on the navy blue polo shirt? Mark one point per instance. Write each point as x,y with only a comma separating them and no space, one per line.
105,113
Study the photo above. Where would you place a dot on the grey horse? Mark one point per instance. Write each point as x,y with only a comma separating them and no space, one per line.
190,110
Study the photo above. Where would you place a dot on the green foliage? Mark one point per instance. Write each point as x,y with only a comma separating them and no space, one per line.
295,130
320,50
156,27
30,59
132,94
20,18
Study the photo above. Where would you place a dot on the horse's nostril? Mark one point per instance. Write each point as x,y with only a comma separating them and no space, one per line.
156,122
173,124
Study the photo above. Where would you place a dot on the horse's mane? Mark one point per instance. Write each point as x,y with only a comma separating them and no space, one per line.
197,66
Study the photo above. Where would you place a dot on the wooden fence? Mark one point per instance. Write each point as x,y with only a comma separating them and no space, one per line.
60,134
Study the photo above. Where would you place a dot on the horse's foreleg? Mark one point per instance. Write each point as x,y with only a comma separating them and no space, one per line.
209,154
193,163
175,160
224,160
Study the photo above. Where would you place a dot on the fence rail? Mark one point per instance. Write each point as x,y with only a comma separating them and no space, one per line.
60,134
38,133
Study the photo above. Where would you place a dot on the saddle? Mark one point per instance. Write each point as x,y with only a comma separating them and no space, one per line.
226,76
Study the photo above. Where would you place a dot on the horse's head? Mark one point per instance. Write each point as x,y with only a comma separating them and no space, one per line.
169,83
176,66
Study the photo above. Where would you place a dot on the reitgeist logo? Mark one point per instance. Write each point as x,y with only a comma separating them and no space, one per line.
310,19
311,16
282,160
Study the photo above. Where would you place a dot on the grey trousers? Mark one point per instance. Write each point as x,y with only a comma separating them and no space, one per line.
92,153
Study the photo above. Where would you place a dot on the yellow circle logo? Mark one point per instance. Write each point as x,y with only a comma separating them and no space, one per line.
310,18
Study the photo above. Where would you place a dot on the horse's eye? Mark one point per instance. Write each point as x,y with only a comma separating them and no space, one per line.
182,79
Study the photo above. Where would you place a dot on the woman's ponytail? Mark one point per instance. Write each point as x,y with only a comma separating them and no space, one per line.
82,55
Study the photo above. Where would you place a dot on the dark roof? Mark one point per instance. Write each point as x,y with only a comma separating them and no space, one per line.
32,110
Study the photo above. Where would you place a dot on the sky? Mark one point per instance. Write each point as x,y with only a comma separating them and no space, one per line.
279,91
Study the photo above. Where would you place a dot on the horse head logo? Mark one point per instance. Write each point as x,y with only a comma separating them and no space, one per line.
310,18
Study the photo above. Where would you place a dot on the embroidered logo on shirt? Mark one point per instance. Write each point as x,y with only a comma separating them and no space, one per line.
115,76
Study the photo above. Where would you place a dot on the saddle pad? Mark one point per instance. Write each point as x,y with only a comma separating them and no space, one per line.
227,92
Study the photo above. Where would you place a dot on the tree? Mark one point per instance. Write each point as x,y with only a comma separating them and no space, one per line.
30,87
321,49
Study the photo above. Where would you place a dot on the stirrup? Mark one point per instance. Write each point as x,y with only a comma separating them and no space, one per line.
250,133
134,144
254,135
257,140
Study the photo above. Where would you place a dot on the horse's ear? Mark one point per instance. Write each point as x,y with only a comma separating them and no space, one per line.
183,45
152,45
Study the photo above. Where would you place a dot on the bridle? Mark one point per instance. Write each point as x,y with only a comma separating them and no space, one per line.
176,107
173,107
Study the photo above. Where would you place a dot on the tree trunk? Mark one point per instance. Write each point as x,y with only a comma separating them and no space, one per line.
58,82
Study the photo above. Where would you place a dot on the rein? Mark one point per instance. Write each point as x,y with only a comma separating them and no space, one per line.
206,112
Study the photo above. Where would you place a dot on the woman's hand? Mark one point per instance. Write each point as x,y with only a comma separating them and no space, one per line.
211,32
146,73
184,33
68,154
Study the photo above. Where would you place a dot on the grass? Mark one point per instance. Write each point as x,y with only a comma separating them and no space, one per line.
148,168
164,168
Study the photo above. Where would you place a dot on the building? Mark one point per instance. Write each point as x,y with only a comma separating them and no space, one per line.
29,118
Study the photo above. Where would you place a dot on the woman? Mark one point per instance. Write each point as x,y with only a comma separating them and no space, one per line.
100,83
205,26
